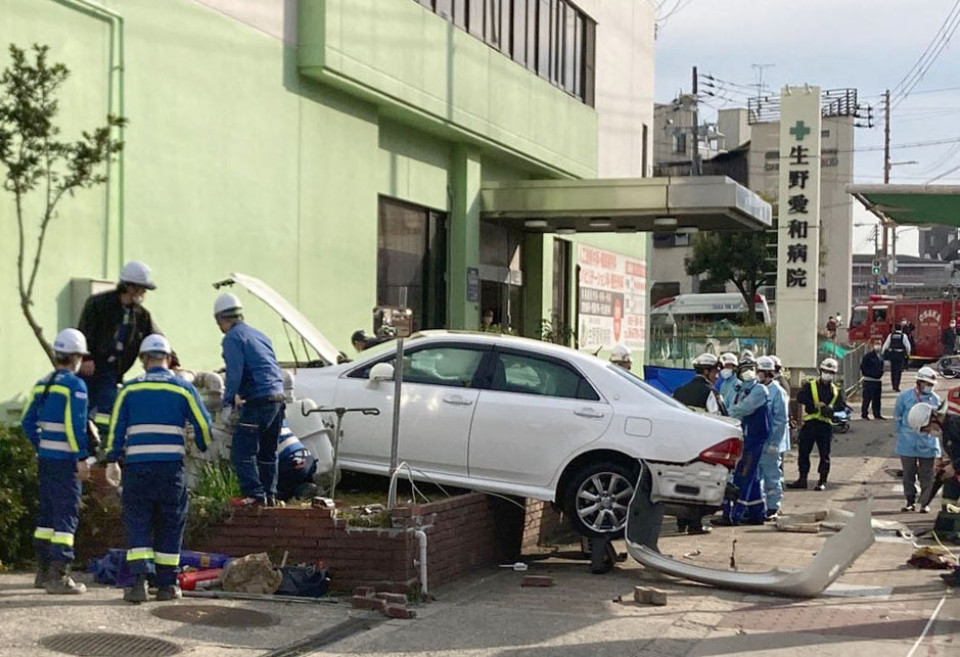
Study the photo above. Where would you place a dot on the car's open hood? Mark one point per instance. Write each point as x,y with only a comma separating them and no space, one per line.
288,312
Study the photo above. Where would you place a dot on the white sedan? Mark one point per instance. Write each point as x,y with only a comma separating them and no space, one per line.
518,417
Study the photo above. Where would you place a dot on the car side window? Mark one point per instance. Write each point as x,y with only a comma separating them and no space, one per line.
531,375
443,366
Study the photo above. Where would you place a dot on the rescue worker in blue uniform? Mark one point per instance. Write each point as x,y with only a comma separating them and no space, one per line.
147,430
819,397
115,323
296,466
727,383
55,421
751,408
771,461
254,392
917,451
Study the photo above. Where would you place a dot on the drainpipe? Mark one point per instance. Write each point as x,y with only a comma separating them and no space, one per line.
115,71
422,561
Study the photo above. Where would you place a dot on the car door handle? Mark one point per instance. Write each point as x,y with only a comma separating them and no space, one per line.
589,412
457,400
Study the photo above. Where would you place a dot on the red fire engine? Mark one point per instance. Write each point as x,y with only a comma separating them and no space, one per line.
929,317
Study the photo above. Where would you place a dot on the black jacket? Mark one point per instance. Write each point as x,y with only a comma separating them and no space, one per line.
949,340
951,439
872,365
825,393
696,392
100,322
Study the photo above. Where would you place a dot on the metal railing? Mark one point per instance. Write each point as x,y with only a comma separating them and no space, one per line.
850,369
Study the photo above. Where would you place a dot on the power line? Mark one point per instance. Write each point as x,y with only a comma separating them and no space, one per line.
939,42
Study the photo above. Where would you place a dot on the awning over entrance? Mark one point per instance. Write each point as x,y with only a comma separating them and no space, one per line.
911,204
626,204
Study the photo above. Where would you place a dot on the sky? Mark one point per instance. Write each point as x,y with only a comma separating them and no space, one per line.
870,45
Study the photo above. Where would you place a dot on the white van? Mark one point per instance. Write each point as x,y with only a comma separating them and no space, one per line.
706,309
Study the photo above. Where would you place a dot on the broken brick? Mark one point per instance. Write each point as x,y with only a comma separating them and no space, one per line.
647,595
373,604
399,611
392,598
537,580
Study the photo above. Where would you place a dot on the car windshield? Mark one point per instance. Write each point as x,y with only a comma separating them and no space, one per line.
646,387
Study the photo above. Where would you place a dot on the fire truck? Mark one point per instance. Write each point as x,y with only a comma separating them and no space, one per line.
929,317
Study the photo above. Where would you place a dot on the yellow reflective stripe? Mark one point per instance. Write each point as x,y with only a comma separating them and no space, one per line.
62,538
167,559
101,418
166,387
68,416
138,554
816,401
43,533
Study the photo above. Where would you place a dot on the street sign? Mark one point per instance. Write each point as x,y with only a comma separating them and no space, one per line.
884,282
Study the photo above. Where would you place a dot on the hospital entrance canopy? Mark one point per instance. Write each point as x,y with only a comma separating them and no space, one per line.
626,204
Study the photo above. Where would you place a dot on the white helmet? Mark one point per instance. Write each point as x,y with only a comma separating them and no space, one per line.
70,341
137,273
777,362
620,354
829,365
919,416
766,364
705,362
927,375
155,344
227,305
747,355
728,359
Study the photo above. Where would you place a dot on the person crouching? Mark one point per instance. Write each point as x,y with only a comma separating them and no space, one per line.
147,430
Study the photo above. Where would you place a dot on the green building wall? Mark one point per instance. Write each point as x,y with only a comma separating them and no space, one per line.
237,161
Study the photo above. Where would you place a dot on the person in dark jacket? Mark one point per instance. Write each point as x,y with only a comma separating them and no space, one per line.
896,348
871,368
114,323
700,394
820,397
949,339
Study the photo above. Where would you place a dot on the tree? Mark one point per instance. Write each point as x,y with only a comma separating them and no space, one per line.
36,160
740,257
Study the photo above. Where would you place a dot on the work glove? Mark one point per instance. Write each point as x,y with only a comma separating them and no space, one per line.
113,475
83,470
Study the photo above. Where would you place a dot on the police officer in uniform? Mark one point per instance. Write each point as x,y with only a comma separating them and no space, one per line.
819,397
147,431
55,421
897,346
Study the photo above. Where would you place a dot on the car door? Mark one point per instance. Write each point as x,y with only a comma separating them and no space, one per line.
534,412
437,403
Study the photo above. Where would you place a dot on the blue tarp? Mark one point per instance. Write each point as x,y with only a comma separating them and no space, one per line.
666,379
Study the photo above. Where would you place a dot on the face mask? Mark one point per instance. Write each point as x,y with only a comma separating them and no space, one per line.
827,376
137,299
726,374
926,389
748,375
877,347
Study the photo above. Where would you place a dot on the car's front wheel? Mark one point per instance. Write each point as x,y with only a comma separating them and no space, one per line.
598,496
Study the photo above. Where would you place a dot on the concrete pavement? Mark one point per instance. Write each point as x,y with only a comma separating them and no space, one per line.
879,607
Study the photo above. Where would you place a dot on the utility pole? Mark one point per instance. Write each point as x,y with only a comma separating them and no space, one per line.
695,156
886,181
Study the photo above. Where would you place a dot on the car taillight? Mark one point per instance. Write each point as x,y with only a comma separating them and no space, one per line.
725,453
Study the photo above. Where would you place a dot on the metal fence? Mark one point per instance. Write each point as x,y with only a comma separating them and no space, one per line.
850,368
677,346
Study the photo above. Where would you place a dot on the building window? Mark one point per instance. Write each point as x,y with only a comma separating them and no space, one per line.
644,146
550,37
412,261
679,142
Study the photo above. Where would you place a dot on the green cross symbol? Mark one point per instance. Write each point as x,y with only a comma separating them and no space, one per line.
800,130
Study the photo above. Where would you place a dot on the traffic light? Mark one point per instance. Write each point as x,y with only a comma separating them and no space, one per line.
876,267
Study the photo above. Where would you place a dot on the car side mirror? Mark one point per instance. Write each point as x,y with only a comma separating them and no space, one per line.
380,372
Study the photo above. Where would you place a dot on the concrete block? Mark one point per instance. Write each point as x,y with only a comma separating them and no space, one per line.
373,604
537,580
647,595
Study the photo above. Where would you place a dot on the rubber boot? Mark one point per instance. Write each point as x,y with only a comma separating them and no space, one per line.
172,592
42,567
59,581
138,592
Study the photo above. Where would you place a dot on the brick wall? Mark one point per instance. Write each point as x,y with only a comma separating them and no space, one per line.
463,532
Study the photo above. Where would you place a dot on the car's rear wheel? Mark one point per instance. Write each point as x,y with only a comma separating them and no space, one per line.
598,496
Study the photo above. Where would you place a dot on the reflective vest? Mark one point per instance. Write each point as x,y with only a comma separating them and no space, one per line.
817,415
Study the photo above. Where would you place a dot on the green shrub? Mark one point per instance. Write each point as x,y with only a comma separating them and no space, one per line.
18,496
216,480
